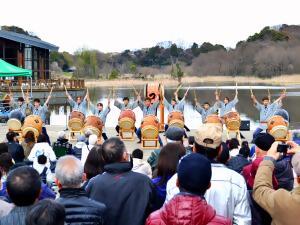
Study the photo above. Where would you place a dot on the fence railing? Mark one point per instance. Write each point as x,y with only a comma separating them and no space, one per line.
41,83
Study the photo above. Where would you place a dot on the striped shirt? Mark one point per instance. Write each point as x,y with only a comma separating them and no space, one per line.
226,108
265,112
204,113
150,110
101,114
40,111
122,106
78,107
179,106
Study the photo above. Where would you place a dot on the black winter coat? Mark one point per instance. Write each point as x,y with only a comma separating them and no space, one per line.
16,150
237,163
80,209
129,196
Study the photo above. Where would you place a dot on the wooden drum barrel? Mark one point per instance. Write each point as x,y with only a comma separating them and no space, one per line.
214,119
150,127
32,123
127,119
232,121
278,127
76,121
15,120
94,124
176,119
154,89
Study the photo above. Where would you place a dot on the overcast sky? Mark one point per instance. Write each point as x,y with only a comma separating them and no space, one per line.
116,25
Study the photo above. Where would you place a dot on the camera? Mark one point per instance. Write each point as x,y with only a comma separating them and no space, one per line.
282,148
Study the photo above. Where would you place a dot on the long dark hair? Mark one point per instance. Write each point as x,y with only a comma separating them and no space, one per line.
94,163
168,159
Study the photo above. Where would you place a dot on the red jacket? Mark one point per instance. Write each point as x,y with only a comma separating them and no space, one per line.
186,209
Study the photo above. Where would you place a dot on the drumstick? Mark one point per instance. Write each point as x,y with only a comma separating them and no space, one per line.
187,90
269,95
178,88
251,91
22,92
135,91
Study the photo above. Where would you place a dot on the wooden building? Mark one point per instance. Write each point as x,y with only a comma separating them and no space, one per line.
26,52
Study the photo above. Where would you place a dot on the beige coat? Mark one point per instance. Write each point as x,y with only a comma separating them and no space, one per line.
282,205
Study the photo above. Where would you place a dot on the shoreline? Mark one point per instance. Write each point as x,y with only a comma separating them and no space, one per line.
278,80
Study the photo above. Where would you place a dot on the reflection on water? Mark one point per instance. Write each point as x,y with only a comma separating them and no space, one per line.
59,114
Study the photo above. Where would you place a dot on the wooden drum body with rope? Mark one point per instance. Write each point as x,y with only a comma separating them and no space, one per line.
127,120
232,121
176,119
150,127
94,124
32,123
278,128
214,119
15,120
151,91
76,121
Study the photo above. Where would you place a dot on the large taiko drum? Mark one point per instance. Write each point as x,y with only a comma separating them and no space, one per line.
150,127
76,121
176,119
154,89
14,122
232,121
32,123
278,127
214,119
127,119
94,124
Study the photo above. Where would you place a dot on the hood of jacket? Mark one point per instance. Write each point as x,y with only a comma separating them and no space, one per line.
187,209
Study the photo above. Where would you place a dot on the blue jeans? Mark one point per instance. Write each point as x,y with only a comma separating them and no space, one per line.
139,135
44,131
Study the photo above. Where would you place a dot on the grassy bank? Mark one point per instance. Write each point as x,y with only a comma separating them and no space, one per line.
279,80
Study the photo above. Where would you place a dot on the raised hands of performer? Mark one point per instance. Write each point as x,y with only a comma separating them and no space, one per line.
67,94
87,96
282,96
49,97
253,97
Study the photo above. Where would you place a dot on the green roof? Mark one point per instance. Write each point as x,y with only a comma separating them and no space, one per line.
9,70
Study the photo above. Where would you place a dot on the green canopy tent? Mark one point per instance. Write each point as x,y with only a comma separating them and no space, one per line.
9,70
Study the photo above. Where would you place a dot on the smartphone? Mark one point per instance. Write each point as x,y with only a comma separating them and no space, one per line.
282,148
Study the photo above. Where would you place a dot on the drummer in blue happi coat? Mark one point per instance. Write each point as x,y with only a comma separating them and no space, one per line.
266,110
101,113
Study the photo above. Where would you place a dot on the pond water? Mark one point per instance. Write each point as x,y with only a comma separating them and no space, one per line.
59,113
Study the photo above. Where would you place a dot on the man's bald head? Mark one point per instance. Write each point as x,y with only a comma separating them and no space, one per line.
69,172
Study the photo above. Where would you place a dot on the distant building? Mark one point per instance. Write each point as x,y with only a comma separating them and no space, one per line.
26,52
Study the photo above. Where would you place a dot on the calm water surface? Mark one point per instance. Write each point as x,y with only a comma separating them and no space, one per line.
59,113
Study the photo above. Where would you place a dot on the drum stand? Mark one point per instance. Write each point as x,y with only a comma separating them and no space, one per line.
237,134
72,135
145,146
130,134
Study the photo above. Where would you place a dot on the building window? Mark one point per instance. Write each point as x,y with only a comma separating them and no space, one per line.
28,57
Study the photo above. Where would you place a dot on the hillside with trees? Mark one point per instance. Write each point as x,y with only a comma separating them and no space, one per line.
270,52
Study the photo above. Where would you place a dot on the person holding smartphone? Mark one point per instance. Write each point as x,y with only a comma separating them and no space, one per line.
282,205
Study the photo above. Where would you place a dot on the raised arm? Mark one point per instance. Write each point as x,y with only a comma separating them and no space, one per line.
281,97
49,97
68,95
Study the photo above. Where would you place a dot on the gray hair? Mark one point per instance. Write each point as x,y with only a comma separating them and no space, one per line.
69,171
